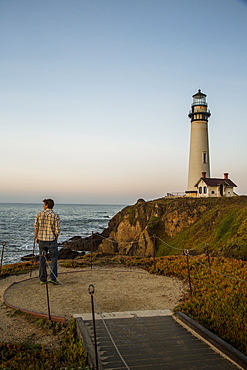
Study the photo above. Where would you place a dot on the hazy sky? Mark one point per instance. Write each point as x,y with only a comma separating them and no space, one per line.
95,95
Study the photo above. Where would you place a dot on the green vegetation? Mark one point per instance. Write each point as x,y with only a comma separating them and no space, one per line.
221,226
17,268
218,300
188,223
219,290
132,215
153,222
26,356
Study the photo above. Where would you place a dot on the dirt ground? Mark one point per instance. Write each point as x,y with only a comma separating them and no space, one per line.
116,289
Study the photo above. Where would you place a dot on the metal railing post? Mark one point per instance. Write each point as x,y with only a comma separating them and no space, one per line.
91,292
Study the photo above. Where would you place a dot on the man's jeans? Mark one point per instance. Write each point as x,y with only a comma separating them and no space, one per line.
45,246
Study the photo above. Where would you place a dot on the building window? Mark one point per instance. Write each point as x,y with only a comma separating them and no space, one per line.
205,190
204,158
212,191
200,190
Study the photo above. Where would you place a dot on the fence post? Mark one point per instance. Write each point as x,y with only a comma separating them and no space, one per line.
2,257
47,291
186,252
91,292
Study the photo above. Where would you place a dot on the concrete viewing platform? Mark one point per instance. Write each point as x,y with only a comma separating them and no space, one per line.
156,340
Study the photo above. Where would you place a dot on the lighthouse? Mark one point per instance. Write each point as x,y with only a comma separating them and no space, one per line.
199,162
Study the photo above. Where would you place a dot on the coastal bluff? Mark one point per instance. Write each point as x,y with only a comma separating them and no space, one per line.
169,226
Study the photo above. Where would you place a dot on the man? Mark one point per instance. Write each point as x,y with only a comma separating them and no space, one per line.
46,232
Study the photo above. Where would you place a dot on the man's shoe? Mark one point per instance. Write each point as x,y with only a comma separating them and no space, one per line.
53,281
42,282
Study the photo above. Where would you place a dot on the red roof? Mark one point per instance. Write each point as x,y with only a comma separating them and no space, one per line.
216,182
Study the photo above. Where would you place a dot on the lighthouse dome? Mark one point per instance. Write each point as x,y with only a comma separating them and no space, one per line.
199,99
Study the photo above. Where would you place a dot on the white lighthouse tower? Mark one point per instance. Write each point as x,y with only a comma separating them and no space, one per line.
199,145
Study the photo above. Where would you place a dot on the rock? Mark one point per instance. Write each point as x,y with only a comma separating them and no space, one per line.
140,200
68,254
30,257
140,229
78,243
63,254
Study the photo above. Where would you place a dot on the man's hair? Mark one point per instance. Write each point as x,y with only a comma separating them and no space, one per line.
49,203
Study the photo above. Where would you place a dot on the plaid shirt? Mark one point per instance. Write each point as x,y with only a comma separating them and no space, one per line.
48,224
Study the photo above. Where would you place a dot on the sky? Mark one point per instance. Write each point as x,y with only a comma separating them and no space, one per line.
95,96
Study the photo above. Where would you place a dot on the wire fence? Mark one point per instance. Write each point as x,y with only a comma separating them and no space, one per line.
139,240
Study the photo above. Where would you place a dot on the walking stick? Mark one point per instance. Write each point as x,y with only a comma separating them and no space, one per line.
32,258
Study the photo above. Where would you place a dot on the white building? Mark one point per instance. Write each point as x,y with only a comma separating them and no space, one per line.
214,187
200,184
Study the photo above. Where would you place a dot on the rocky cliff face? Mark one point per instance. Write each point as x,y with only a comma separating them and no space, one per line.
149,228
138,230
135,229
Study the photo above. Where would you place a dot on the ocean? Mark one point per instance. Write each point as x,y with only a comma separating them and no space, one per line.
17,219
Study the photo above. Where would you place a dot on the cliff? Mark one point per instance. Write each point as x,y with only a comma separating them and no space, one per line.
168,226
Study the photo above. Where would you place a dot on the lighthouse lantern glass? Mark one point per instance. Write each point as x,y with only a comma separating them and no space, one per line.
199,100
